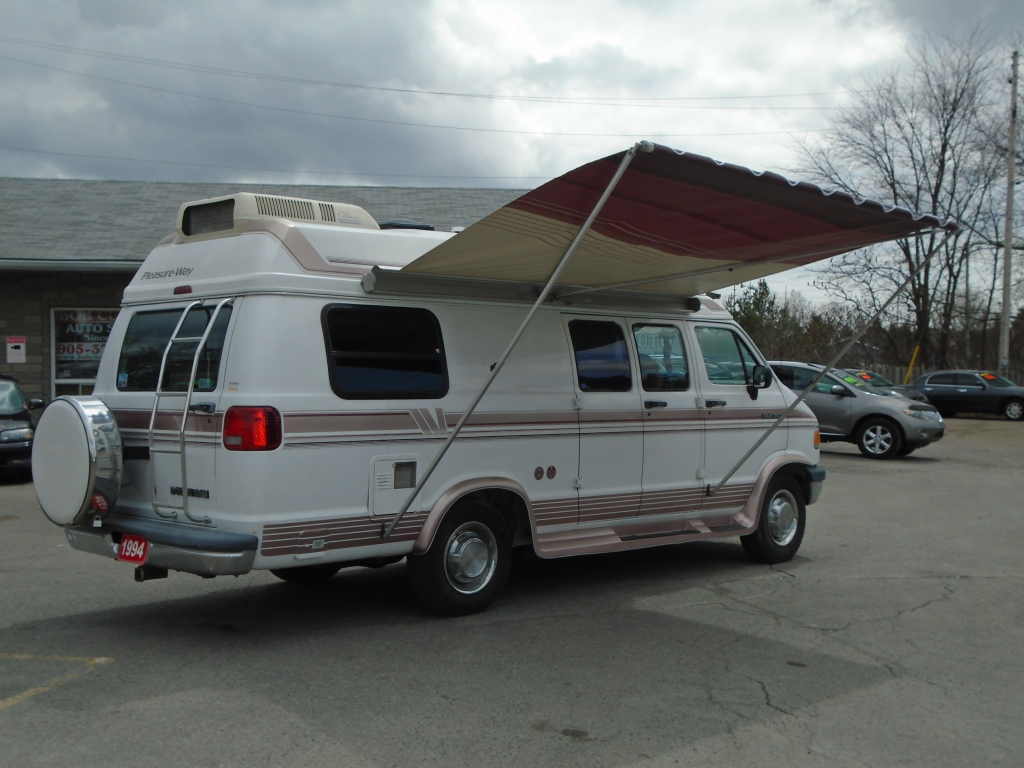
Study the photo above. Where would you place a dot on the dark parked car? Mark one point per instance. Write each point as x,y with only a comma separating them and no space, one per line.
878,381
16,425
881,425
954,392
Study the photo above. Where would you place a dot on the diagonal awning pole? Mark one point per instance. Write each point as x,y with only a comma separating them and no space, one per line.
642,146
829,367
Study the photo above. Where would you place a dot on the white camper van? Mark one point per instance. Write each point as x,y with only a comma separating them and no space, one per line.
281,379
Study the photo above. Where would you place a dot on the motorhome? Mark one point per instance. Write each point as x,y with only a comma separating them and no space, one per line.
290,387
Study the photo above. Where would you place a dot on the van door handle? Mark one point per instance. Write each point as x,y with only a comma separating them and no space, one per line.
655,404
715,403
203,407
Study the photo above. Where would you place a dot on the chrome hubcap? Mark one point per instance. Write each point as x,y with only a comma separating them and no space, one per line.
782,518
470,558
877,439
1014,411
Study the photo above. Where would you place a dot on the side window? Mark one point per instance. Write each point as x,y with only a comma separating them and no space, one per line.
662,359
946,379
727,358
824,386
602,358
785,376
968,380
377,353
147,337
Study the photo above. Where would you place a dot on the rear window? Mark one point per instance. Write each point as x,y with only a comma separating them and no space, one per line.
146,339
378,353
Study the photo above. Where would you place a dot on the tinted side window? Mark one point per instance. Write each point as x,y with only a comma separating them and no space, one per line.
662,359
968,380
727,357
377,353
942,378
602,359
147,337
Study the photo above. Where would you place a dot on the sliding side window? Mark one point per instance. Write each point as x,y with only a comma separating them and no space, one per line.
602,358
380,353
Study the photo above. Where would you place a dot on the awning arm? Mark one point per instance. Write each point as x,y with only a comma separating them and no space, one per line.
642,146
564,294
856,337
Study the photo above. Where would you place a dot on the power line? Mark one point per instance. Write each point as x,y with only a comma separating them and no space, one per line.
265,170
615,101
379,121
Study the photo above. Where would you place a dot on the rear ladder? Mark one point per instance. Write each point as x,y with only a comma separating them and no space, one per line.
168,511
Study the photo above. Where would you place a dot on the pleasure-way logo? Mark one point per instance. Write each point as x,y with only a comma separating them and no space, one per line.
179,272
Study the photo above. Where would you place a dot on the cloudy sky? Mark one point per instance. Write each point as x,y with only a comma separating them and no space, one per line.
442,93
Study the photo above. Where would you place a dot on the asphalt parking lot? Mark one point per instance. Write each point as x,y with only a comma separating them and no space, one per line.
892,639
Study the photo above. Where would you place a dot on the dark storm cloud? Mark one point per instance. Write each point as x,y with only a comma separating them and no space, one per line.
1002,20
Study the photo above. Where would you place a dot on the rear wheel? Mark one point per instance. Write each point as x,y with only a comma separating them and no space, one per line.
467,564
1013,410
879,439
307,574
780,527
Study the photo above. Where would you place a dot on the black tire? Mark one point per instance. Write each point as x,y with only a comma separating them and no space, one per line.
307,574
467,564
879,438
1013,409
946,413
780,526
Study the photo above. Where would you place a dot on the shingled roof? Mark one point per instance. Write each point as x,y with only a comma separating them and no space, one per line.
113,225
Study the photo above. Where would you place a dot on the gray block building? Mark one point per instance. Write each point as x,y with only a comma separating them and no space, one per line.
68,248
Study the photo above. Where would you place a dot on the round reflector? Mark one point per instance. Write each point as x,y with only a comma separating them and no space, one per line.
76,460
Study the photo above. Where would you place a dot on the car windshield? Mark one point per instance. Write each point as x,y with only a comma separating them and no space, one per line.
874,379
11,401
855,381
995,381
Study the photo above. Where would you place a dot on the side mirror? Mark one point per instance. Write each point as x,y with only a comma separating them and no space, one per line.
35,403
839,390
761,377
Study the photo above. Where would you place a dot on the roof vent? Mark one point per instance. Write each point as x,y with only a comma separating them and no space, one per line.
285,207
404,224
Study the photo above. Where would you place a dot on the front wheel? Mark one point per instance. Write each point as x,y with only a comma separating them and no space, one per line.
780,527
879,439
1013,410
467,564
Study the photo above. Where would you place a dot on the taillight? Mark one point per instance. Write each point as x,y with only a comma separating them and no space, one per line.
817,439
249,428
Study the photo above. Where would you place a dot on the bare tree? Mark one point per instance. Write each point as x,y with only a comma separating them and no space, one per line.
913,137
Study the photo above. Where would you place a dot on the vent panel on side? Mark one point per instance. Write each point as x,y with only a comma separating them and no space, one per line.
327,212
284,207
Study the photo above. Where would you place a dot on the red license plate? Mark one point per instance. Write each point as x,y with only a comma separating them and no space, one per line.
133,549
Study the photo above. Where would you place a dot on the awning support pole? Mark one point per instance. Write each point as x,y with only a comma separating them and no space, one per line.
854,339
642,146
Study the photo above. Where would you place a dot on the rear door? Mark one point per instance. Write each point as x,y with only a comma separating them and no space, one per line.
611,419
673,424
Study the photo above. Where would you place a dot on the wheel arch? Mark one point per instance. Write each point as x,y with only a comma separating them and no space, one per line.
792,465
507,496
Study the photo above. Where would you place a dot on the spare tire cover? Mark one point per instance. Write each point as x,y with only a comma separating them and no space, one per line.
76,460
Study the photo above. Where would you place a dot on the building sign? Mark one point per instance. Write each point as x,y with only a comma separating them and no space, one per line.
79,337
16,349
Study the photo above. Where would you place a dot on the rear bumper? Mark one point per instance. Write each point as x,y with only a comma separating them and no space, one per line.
173,546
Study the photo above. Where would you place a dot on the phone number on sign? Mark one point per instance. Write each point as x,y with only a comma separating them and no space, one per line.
80,351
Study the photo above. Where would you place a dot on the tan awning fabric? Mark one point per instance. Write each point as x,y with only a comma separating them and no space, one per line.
671,213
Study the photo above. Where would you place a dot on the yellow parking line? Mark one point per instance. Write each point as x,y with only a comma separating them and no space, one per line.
90,665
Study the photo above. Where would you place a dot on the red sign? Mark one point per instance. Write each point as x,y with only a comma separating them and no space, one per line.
133,549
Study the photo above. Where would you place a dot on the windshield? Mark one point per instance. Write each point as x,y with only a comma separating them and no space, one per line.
855,381
995,381
11,401
874,379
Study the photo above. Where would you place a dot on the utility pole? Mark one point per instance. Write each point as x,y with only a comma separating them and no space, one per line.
1011,167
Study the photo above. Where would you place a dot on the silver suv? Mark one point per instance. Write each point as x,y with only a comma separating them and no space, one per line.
880,424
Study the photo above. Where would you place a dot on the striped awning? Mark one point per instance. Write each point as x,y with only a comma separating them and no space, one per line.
676,223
